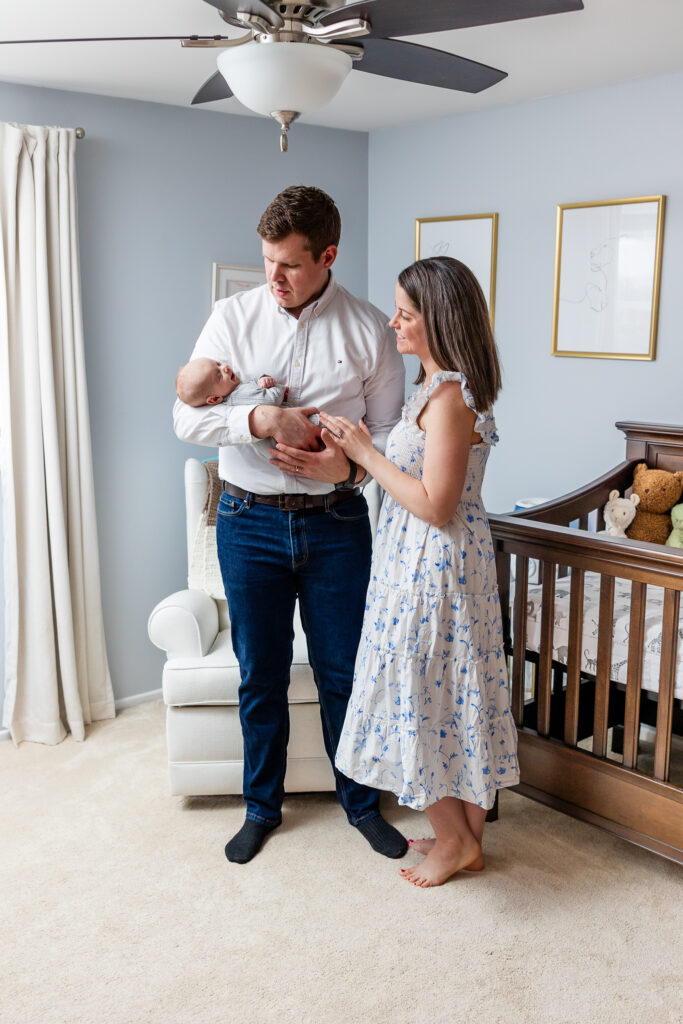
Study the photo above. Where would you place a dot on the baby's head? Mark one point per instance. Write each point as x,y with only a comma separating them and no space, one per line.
205,382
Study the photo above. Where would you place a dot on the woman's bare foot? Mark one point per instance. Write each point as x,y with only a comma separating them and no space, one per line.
444,859
421,845
425,845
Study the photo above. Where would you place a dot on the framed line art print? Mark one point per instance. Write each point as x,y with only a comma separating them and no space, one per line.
608,258
471,238
228,279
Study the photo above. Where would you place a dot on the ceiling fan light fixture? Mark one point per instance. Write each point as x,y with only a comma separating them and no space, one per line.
284,76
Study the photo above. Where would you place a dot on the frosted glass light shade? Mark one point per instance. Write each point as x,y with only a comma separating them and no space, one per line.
284,76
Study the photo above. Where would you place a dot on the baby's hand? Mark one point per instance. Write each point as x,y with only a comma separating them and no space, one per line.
265,381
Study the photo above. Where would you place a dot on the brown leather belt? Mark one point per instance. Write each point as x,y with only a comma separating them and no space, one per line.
292,502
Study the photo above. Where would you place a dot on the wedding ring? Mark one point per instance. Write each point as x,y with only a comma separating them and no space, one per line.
297,469
340,434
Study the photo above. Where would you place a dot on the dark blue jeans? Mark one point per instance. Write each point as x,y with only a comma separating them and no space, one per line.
268,558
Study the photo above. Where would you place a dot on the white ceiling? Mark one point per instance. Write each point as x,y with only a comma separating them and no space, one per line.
610,41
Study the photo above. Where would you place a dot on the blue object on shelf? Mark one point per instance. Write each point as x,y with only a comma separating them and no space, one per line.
523,503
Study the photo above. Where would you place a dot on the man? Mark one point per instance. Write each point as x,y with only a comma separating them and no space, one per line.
297,526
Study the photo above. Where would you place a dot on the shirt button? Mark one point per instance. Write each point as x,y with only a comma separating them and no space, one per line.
297,363
301,326
243,437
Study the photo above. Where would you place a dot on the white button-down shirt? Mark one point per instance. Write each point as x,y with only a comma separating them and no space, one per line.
340,355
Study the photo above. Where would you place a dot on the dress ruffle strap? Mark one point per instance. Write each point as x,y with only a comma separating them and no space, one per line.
485,424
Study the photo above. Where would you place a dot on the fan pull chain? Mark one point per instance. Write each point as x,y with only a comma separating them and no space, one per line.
285,118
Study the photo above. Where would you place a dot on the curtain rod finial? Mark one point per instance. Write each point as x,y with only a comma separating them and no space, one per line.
80,133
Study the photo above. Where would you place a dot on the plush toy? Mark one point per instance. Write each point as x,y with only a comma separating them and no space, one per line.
619,514
675,538
658,491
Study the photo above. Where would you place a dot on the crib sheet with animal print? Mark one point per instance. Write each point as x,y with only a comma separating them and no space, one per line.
620,629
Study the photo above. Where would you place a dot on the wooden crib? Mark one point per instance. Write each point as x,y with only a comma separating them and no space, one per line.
584,719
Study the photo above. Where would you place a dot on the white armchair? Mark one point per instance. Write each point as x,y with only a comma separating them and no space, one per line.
201,679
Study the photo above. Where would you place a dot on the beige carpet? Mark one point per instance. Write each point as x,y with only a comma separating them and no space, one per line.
119,907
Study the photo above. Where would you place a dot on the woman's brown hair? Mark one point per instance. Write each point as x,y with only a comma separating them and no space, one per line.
449,298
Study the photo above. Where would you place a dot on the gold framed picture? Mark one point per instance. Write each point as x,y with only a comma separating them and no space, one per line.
228,279
471,238
608,257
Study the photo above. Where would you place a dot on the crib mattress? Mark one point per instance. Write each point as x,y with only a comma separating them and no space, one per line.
652,646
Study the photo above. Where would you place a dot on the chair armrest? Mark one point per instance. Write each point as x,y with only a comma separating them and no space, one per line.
185,624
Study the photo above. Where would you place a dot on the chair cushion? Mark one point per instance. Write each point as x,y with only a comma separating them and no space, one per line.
215,678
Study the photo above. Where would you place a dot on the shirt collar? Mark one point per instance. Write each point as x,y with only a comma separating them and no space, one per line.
323,301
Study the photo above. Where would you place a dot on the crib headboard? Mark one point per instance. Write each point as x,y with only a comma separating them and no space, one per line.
660,445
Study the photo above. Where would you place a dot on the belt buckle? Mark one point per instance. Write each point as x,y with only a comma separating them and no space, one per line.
290,502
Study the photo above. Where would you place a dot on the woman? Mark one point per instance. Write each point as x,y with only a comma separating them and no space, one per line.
429,717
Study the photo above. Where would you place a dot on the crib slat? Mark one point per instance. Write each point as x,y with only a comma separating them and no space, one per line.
519,647
571,709
636,634
602,674
503,575
667,669
583,521
545,659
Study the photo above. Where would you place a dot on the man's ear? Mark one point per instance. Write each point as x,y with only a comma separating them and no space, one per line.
214,400
329,256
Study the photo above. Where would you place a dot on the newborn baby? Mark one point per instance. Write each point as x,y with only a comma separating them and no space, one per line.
209,382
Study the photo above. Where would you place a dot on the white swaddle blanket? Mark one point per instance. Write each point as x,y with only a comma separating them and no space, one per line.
204,570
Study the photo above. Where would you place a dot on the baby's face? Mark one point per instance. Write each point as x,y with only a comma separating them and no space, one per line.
221,379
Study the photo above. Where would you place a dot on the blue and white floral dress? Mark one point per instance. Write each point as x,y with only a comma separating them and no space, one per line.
429,715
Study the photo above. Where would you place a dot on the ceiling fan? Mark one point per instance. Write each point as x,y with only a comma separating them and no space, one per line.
293,57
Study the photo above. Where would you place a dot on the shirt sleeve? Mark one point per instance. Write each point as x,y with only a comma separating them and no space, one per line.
214,425
385,391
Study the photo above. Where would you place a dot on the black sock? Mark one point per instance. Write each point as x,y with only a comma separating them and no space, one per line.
248,841
383,837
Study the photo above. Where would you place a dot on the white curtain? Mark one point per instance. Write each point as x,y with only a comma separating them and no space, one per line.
56,672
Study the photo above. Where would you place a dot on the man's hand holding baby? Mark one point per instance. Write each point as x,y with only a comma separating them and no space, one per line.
288,426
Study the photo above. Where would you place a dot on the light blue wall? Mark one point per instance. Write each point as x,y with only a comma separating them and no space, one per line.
555,415
163,192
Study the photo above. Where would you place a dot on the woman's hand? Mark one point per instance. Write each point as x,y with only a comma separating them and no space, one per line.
355,442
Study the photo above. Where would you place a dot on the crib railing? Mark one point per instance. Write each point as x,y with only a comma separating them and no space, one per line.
556,719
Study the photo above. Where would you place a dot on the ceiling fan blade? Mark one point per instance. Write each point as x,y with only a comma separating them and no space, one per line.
231,8
409,62
408,18
111,39
214,88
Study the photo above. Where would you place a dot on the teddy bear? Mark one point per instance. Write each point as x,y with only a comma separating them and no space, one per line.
658,491
675,538
619,514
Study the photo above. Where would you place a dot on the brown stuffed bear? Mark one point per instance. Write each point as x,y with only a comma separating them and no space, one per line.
658,491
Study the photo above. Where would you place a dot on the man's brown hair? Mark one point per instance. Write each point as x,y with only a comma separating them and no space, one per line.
304,210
